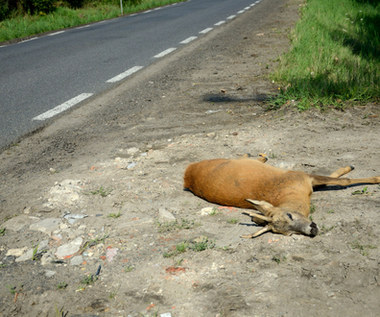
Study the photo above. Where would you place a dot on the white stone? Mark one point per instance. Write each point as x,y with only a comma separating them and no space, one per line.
69,249
16,252
18,223
76,260
47,225
49,273
165,215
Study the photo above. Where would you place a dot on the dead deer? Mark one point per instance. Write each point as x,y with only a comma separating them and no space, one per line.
281,197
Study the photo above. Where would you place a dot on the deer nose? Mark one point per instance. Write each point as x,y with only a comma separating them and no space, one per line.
313,230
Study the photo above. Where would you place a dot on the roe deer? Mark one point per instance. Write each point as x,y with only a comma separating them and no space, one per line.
281,197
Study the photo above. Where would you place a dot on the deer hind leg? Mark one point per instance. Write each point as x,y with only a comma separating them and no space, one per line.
325,180
342,171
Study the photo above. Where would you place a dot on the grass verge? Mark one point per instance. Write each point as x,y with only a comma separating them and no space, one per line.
334,56
63,17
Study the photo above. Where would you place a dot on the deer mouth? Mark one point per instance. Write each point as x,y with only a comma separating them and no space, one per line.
313,230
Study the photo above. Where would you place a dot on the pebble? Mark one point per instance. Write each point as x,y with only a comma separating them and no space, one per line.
69,249
47,225
207,211
72,218
47,258
166,215
76,260
49,273
16,252
18,223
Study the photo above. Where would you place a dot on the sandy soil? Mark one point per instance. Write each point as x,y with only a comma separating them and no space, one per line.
97,223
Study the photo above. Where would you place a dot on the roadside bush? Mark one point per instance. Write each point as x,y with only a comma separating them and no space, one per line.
76,4
38,6
4,10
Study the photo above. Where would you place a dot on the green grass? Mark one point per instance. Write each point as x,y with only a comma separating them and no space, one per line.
63,17
334,56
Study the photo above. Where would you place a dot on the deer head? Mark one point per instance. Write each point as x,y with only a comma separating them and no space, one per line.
279,220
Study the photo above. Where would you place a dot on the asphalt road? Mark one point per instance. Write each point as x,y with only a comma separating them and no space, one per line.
62,69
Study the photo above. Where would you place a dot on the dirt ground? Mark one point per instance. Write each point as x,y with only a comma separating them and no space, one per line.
94,220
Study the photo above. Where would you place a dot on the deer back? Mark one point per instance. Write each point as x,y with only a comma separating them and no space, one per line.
231,182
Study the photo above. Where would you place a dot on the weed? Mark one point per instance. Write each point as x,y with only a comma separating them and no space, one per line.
363,249
62,285
233,221
2,232
278,259
14,289
101,191
129,268
89,279
175,225
364,191
312,208
202,243
325,229
197,245
213,212
114,215
35,253
93,242
330,211
60,312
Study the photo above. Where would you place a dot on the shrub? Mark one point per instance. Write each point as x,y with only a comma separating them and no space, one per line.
38,6
75,4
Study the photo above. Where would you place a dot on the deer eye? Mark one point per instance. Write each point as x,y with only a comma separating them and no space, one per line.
290,216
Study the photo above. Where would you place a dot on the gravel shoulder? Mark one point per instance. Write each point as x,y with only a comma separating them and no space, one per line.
97,223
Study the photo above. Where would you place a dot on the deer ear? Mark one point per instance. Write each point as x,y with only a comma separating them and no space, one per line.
261,205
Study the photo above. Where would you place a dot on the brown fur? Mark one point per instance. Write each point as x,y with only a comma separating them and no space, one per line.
232,182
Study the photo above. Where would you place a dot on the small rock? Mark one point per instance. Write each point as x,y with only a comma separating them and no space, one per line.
72,218
47,258
42,246
211,135
111,253
131,165
18,223
47,225
166,315
165,215
49,273
132,151
207,211
69,249
16,252
76,260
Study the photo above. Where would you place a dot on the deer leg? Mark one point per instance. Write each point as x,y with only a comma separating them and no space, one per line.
342,171
325,180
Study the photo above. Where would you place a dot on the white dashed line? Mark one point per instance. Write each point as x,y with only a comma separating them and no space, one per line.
56,33
189,39
125,74
83,27
206,30
231,17
166,52
247,8
220,23
240,12
28,40
66,105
